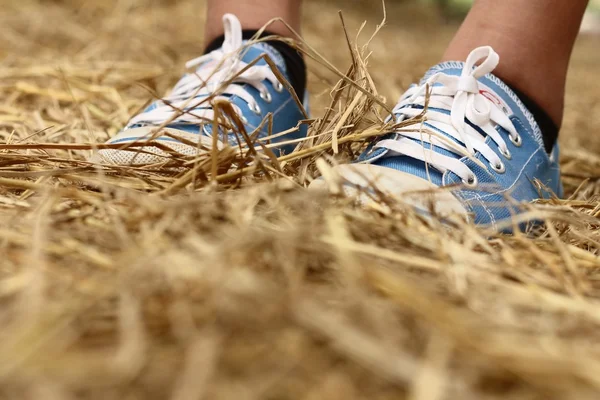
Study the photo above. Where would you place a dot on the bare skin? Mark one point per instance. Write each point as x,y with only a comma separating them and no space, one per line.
253,14
534,39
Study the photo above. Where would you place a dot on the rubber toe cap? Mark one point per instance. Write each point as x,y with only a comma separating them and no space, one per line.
365,181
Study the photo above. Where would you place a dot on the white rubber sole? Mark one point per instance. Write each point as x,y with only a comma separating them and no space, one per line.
151,154
364,181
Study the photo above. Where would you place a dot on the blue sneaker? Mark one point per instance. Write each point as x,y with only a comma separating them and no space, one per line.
478,141
230,74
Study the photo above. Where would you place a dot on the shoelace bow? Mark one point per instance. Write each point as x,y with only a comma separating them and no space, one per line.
460,96
213,70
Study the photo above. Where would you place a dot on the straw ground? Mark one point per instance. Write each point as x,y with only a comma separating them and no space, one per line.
220,276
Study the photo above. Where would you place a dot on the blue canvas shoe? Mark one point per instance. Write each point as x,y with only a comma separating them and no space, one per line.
478,141
254,91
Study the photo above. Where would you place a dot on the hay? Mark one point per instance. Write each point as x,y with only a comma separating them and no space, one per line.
182,280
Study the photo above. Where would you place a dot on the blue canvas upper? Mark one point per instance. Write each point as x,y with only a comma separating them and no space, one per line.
497,195
286,114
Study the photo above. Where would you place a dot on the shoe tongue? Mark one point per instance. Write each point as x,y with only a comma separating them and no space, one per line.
496,91
490,86
420,168
254,51
248,55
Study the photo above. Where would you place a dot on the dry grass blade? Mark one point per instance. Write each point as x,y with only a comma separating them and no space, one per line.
219,276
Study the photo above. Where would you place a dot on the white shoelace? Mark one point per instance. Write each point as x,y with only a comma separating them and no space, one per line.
213,70
461,96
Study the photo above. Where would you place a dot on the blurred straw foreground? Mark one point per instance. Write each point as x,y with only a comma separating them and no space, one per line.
221,277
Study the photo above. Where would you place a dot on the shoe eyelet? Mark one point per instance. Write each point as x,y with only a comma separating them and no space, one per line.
506,153
266,96
255,108
471,181
517,140
278,86
499,168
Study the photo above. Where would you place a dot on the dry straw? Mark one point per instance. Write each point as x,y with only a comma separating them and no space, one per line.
219,276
